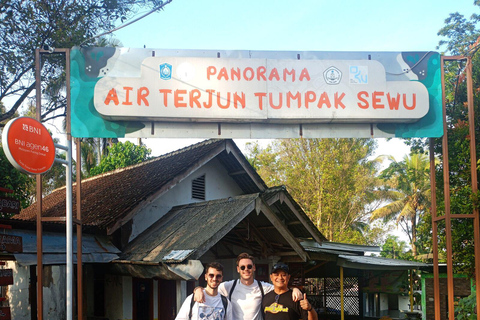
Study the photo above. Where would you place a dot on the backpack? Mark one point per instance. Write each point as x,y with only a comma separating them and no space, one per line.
259,286
224,302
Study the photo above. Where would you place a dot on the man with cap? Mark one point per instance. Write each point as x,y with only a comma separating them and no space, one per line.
246,293
278,304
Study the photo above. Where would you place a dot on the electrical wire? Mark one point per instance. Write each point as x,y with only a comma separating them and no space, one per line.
159,7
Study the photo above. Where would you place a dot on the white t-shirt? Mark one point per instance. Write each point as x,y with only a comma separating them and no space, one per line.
246,300
212,309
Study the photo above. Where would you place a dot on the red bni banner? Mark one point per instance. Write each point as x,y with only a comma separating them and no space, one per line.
28,145
6,277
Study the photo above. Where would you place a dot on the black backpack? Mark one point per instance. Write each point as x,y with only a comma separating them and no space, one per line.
224,301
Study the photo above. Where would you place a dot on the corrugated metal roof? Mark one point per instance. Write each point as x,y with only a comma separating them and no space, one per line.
95,249
342,248
377,263
189,230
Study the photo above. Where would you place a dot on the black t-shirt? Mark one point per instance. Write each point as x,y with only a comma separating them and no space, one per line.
282,307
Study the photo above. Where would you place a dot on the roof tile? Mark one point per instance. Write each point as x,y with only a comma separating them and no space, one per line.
108,197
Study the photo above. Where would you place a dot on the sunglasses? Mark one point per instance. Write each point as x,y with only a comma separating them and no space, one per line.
216,276
248,266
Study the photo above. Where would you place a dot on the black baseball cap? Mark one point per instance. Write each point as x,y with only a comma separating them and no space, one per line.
280,266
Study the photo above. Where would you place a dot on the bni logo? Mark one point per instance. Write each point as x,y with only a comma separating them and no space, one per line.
165,71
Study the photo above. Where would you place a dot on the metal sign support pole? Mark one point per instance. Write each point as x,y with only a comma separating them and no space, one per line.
473,171
69,203
433,210
38,92
69,225
69,232
448,215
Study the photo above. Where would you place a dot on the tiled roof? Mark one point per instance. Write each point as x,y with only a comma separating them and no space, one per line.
109,197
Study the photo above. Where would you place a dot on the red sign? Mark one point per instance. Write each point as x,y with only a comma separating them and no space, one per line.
6,277
5,313
9,205
11,243
28,145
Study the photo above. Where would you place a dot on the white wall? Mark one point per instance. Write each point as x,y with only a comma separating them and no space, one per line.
54,289
218,185
115,297
127,297
181,293
383,302
404,303
54,297
155,299
17,293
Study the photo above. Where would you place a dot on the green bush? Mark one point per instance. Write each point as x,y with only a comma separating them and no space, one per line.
466,308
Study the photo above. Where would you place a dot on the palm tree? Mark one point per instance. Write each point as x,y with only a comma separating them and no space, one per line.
408,189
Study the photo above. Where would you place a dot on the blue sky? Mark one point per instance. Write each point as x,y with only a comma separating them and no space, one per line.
303,25
306,25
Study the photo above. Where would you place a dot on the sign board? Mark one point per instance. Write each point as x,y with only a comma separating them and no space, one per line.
11,243
6,277
9,205
28,145
5,313
123,92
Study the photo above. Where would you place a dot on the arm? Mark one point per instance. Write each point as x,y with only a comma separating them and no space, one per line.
305,305
267,287
198,295
297,295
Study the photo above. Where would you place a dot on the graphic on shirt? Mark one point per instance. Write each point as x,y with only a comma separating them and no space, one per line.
210,313
275,308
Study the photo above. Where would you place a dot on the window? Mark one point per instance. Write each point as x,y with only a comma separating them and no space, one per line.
198,188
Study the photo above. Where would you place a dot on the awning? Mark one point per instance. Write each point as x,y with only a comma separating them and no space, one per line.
377,263
191,270
27,259
95,249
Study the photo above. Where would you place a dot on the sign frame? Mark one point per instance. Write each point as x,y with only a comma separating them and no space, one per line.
90,66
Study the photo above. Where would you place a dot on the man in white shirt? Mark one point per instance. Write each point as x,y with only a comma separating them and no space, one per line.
246,293
215,306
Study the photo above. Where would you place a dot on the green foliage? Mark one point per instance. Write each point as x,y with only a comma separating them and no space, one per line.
332,179
121,155
395,249
26,25
11,178
407,186
461,37
465,310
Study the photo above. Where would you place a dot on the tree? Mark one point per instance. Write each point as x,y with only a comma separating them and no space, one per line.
333,180
121,155
394,248
408,189
13,179
28,25
461,37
